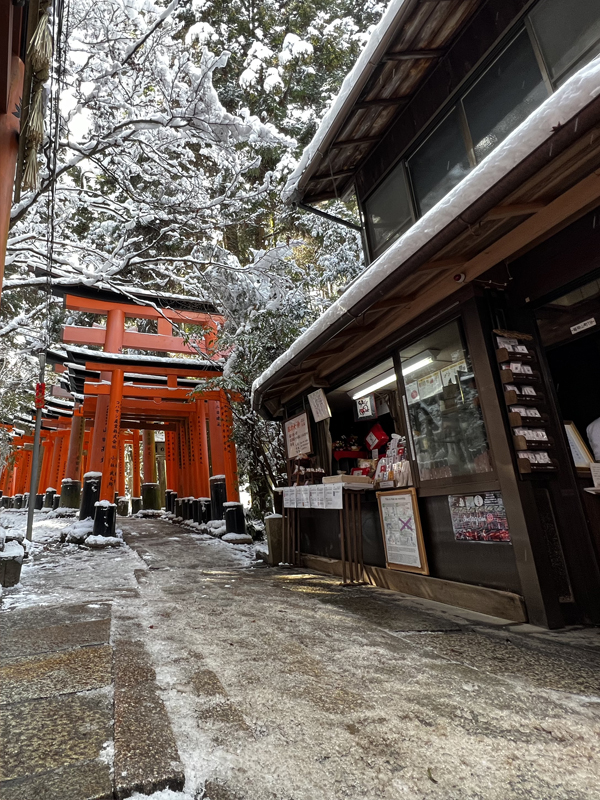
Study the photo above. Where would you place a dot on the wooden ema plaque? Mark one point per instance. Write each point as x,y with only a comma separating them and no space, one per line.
528,416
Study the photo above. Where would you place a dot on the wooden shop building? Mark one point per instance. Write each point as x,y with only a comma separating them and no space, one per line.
469,134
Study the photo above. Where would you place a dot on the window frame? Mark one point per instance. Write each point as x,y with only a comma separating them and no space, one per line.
374,253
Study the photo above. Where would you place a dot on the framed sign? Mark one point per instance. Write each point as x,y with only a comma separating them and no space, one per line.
297,435
319,405
402,532
582,457
366,408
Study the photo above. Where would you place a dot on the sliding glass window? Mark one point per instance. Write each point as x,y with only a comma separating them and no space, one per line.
568,34
440,163
388,211
505,95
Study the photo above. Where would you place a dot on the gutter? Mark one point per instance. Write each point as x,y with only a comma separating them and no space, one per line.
561,137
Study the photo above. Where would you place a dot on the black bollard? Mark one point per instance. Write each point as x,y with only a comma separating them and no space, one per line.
70,493
90,494
205,509
39,502
196,510
168,493
151,496
49,498
136,504
105,518
18,501
218,496
235,521
55,502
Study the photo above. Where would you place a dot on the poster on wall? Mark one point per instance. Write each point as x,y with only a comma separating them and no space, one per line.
412,393
479,517
402,532
366,407
319,405
430,385
297,435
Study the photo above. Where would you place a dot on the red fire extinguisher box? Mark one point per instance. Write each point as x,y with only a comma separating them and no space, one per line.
376,437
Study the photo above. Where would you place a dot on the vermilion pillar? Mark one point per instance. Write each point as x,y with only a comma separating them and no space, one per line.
135,464
75,454
110,447
149,456
201,448
48,450
231,475
121,489
170,460
215,429
55,463
65,437
113,343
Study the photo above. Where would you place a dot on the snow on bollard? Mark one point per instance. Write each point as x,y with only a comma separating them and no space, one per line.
90,494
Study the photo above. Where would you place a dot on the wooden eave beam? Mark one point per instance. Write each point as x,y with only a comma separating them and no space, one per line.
443,263
412,55
516,210
394,302
355,142
382,102
342,173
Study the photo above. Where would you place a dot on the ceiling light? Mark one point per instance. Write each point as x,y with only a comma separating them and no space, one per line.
385,381
417,365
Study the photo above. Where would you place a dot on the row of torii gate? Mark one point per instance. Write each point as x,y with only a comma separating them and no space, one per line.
107,402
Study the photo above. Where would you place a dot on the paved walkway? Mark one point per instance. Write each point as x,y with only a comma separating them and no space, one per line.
264,684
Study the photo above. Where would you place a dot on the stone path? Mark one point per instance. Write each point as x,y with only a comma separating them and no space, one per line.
265,684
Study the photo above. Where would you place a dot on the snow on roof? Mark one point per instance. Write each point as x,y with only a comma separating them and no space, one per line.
354,82
561,107
99,356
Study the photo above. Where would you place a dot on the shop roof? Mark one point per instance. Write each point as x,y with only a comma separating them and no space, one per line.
403,49
540,178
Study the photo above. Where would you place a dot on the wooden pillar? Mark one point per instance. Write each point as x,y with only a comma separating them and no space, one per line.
110,450
87,447
113,343
75,454
215,429
149,456
48,450
231,474
65,437
181,484
136,483
18,470
121,488
55,463
170,460
199,419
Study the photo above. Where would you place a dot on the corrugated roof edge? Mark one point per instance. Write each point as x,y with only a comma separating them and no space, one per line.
548,122
352,86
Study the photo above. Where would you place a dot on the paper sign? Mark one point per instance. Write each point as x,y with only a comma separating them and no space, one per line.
317,496
430,386
595,470
297,435
289,497
334,496
303,497
319,405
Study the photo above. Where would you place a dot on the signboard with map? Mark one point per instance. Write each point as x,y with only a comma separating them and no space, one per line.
402,532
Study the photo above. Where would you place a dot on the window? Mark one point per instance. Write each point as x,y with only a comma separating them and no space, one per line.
568,32
442,404
388,211
440,163
504,96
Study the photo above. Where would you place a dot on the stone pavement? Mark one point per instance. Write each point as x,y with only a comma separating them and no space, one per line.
265,684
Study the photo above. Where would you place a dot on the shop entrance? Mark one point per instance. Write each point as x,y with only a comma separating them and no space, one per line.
569,328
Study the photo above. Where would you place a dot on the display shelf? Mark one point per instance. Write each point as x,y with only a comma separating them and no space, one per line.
516,420
503,355
508,376
514,399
